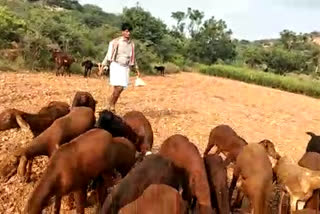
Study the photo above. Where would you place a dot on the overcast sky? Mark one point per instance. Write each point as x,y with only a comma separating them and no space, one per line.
248,19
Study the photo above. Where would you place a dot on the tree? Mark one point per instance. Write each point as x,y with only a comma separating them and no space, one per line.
146,28
212,42
195,17
179,16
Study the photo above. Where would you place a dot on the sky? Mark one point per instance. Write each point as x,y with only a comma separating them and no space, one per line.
248,19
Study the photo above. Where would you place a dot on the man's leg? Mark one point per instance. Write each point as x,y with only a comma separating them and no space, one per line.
114,97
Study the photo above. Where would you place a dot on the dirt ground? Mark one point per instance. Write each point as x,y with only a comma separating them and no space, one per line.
187,103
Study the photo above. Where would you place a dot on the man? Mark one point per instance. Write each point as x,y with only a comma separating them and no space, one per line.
120,59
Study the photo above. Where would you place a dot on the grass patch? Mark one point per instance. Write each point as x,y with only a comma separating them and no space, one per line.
286,83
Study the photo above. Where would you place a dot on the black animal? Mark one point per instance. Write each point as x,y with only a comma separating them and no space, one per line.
160,69
314,143
88,65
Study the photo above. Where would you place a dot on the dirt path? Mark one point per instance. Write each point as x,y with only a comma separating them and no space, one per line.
187,103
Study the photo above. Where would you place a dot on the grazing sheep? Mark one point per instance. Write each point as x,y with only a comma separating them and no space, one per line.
83,98
76,163
64,129
217,177
298,181
37,123
154,169
157,199
118,127
186,156
254,166
227,142
142,127
311,160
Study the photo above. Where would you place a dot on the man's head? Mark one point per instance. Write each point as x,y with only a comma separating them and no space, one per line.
126,29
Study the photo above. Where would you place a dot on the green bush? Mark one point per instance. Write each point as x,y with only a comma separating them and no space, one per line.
76,68
286,83
171,68
11,27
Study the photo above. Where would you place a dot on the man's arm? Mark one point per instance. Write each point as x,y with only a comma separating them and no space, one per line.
135,66
107,58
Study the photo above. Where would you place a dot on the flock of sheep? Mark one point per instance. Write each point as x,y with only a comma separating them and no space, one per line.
112,156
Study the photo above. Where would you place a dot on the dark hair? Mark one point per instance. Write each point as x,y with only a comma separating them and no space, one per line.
126,26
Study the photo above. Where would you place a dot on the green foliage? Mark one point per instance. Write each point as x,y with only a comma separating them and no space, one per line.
146,28
11,27
84,31
211,43
291,84
171,68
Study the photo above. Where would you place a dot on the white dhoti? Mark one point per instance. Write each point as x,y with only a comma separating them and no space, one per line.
119,75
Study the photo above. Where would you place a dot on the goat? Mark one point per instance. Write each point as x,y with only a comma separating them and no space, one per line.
217,177
298,181
64,129
227,142
142,127
88,65
255,168
62,60
160,69
157,199
311,160
154,169
13,118
83,98
72,167
314,143
186,156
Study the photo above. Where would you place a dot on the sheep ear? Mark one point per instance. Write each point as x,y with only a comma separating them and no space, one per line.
23,124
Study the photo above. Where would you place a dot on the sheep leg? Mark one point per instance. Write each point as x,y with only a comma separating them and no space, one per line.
80,199
22,165
57,205
317,201
280,202
28,172
234,180
293,204
58,70
237,203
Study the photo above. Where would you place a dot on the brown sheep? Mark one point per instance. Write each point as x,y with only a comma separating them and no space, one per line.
311,160
305,211
72,167
227,141
83,98
13,118
157,199
255,168
154,169
142,127
186,156
270,149
62,60
64,129
299,182
118,127
217,177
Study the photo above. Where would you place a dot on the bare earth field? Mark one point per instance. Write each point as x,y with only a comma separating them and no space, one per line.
187,103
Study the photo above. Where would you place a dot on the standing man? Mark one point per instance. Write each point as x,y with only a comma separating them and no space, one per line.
120,59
